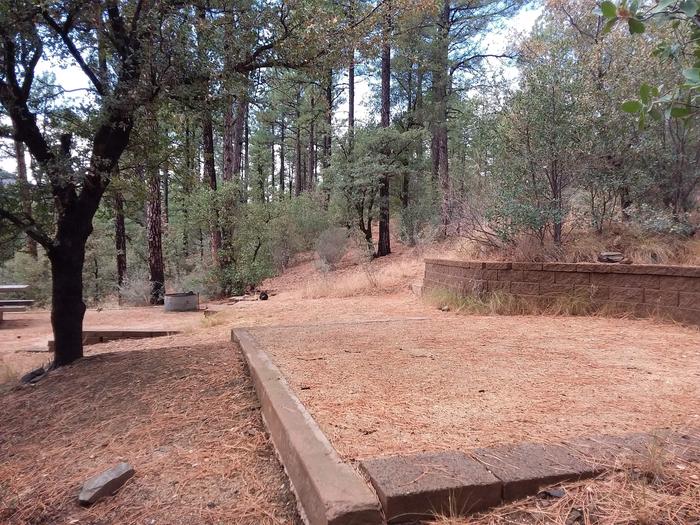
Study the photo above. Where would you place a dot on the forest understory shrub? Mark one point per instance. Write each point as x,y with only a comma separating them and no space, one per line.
134,291
331,246
364,279
639,245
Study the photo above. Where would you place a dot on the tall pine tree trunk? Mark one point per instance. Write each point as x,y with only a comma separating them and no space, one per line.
298,167
384,244
166,197
440,92
187,187
351,100
120,240
282,130
273,158
238,137
154,232
311,151
419,106
327,133
246,157
229,139
210,180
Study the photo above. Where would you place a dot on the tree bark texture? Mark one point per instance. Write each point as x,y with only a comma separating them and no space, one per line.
120,238
384,243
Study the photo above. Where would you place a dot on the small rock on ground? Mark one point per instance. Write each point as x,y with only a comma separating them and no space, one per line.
105,484
557,492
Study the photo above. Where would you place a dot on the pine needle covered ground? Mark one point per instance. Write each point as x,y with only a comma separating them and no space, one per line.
182,410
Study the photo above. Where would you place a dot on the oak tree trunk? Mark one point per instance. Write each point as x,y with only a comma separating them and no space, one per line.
67,306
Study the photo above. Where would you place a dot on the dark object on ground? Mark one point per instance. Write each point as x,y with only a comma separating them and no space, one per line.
556,492
105,484
263,296
33,376
613,257
575,517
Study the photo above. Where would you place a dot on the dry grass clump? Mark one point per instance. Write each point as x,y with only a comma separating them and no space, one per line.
500,303
216,319
8,375
364,280
654,488
638,245
186,418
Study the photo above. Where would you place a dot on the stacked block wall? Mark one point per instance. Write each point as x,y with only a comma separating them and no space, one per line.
640,289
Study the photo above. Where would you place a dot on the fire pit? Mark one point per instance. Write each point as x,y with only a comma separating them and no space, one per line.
181,302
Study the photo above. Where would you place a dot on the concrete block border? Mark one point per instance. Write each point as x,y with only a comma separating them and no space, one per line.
329,491
92,337
419,486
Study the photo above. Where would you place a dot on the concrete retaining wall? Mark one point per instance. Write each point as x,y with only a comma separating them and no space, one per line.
640,289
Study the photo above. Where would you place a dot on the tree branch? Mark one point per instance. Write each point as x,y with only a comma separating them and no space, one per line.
75,53
465,61
29,71
29,226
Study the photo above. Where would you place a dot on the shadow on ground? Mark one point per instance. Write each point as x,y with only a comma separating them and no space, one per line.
186,418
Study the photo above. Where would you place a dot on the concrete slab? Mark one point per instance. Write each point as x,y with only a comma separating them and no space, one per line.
329,491
686,445
424,485
92,337
526,467
608,451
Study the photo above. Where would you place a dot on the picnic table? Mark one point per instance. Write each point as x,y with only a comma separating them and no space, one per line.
13,287
13,305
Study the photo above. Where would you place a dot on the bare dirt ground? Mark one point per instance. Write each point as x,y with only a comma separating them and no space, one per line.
182,409
454,383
